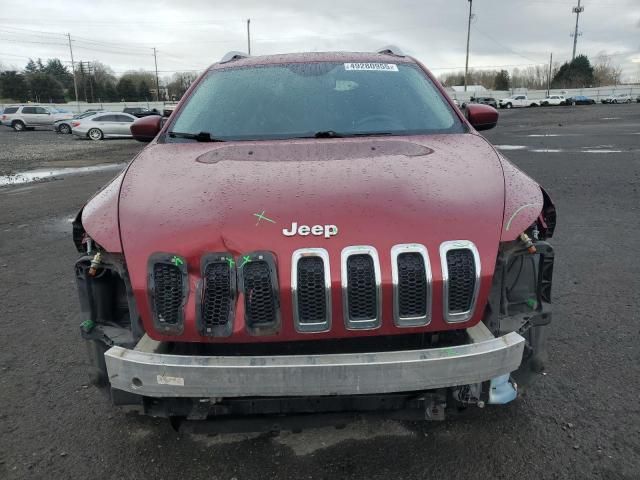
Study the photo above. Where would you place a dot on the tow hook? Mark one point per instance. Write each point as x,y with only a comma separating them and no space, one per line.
531,248
95,263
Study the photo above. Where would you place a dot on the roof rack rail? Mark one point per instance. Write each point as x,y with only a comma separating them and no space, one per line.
233,55
391,50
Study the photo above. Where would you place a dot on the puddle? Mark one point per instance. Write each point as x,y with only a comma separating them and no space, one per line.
309,441
601,151
46,173
510,147
547,150
555,135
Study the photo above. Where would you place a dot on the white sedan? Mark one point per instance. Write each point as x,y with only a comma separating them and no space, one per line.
554,100
104,125
620,98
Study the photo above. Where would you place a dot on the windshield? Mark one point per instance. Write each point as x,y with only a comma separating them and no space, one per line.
308,99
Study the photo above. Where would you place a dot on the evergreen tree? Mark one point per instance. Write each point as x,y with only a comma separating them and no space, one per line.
45,88
127,90
577,74
13,86
55,68
501,81
143,91
31,67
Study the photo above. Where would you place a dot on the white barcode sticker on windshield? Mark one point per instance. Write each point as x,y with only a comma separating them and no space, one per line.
378,67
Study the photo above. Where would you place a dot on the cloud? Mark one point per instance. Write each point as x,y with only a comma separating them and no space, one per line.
192,34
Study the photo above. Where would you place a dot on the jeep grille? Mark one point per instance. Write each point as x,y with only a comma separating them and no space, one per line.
218,296
461,279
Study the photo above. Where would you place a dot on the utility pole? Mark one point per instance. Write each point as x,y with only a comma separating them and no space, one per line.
84,81
549,75
155,59
89,71
466,63
577,10
248,36
73,67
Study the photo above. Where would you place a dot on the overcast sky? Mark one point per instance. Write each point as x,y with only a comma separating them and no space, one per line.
191,34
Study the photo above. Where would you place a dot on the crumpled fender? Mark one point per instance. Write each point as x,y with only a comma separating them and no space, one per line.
523,201
99,216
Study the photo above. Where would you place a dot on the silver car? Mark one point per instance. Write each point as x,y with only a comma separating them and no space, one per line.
104,125
64,126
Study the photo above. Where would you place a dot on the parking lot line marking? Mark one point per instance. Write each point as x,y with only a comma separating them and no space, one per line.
510,147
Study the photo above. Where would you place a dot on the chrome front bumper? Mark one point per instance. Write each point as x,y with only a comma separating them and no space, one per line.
144,371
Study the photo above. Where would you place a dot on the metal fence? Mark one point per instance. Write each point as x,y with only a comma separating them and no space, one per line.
108,106
597,93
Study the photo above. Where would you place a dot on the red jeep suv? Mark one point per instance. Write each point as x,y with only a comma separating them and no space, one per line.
315,232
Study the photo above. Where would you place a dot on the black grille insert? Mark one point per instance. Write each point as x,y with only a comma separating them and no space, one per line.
168,293
362,291
259,294
412,285
462,279
311,290
218,296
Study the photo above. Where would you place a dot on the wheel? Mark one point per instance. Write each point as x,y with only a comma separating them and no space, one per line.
95,134
64,128
533,105
615,101
628,101
18,126
508,105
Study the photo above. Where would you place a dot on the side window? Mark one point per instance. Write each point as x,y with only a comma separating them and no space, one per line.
124,118
41,111
11,110
105,118
28,110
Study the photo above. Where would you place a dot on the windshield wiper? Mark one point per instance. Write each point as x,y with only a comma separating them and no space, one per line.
327,134
334,134
199,137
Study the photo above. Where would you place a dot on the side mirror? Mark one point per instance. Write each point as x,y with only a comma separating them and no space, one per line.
481,117
145,129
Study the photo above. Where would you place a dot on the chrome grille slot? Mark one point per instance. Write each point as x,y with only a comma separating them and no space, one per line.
361,291
311,290
411,274
461,279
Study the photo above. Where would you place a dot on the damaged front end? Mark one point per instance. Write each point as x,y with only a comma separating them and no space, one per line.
107,307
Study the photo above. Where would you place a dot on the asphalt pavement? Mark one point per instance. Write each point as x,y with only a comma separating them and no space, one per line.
581,420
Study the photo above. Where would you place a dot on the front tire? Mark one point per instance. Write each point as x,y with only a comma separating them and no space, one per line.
508,105
95,134
18,126
64,128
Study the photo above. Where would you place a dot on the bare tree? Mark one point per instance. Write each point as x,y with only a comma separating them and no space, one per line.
605,72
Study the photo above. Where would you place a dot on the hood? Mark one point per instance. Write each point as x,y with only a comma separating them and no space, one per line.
190,198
